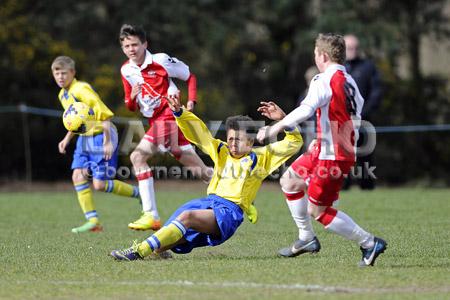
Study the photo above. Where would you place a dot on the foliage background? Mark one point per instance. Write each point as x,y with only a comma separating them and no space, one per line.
241,51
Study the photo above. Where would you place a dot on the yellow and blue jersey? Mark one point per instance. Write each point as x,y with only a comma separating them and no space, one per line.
79,91
238,179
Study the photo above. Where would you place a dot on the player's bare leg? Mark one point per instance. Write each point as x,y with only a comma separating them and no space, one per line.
294,188
340,223
98,185
191,160
150,217
201,220
84,193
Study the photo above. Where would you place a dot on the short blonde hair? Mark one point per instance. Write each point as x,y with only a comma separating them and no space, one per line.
333,45
63,62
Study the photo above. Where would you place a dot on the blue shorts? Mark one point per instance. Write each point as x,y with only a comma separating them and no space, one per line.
88,154
228,216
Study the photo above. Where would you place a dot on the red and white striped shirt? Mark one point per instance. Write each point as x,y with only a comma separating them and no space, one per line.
155,76
337,101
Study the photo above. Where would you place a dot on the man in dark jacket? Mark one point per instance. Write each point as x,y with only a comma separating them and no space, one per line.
368,80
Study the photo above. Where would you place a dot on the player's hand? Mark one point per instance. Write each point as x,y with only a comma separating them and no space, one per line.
62,146
271,110
108,150
190,105
252,214
135,90
174,102
261,135
268,132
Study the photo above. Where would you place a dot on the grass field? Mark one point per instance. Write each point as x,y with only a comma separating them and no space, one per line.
41,258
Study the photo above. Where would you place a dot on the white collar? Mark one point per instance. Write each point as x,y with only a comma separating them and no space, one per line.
335,67
148,60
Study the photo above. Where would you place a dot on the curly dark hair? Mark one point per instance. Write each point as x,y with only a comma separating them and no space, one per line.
241,122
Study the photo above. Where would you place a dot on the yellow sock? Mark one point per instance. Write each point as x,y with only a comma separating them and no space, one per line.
166,236
84,194
144,249
94,220
121,188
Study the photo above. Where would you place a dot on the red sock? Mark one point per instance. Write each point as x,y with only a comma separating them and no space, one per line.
294,196
340,223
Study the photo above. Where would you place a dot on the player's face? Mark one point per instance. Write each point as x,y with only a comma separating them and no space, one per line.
239,143
134,49
63,77
320,59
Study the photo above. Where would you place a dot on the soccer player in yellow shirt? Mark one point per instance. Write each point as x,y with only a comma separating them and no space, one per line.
96,150
239,170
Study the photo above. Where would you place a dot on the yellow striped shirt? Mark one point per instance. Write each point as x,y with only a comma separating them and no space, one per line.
238,179
80,91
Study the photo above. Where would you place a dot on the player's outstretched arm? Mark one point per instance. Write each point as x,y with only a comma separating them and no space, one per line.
277,153
194,129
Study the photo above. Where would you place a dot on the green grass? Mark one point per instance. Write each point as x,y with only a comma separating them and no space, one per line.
41,258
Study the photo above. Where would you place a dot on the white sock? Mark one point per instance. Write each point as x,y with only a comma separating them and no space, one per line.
299,212
343,225
147,192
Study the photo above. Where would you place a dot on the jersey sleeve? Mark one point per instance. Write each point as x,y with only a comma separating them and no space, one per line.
86,94
174,67
275,154
318,94
192,88
197,133
298,115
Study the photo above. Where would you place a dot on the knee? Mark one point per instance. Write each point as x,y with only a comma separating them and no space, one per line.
314,211
77,176
137,157
98,185
284,183
186,218
291,183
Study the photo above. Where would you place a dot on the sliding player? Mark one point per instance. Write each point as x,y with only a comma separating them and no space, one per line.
239,170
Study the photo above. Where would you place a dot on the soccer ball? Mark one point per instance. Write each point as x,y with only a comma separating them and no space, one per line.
79,118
